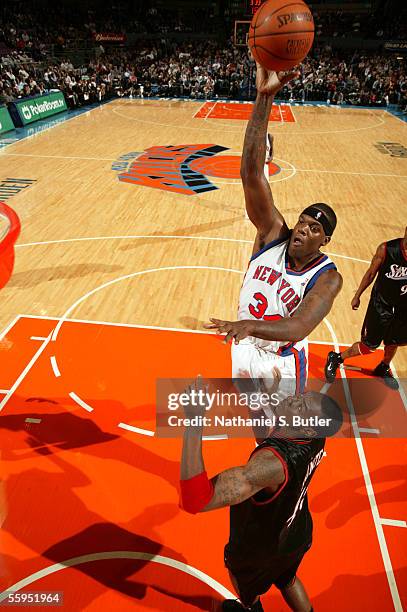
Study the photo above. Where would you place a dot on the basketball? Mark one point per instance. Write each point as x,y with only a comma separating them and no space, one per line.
281,34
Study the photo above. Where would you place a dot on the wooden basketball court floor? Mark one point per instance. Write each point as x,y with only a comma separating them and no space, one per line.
115,274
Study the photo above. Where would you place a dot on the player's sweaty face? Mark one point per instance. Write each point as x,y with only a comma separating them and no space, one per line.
308,235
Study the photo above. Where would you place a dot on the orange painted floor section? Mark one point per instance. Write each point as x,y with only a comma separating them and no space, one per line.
79,487
230,110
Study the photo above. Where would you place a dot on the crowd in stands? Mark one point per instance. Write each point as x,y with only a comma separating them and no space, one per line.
193,69
342,24
361,79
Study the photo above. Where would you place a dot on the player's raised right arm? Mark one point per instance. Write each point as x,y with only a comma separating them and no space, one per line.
260,206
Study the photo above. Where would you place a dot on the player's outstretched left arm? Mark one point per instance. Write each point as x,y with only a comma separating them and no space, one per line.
230,487
312,310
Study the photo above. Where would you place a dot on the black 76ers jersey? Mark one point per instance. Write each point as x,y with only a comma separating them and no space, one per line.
391,282
265,525
272,290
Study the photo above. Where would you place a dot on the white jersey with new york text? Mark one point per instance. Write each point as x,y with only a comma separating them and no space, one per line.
272,290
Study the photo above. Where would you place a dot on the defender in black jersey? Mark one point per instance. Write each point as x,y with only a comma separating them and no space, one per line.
386,315
270,523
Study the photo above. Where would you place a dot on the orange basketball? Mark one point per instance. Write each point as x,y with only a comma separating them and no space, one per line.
281,34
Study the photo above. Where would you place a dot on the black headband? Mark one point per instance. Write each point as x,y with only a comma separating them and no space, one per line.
319,215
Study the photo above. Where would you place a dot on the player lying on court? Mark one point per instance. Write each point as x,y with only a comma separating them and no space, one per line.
386,315
289,286
270,523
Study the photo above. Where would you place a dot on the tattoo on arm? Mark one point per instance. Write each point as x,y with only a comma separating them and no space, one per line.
259,199
237,484
378,259
373,269
254,147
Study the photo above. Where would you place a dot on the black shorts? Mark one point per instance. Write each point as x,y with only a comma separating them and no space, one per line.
255,578
384,323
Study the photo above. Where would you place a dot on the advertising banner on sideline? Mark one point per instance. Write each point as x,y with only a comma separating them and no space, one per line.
6,123
33,109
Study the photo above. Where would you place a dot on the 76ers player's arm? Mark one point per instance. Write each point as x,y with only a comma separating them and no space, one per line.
369,276
230,487
260,206
312,310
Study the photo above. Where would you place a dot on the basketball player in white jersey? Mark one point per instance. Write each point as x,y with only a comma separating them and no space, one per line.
289,286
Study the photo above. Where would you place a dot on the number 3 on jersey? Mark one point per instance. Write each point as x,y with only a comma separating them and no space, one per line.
258,310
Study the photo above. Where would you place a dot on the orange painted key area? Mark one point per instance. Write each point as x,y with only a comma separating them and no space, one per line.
242,111
104,524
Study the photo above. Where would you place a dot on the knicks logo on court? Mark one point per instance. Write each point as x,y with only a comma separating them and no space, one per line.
182,169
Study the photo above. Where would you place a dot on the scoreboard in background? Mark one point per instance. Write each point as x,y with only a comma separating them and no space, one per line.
242,23
252,6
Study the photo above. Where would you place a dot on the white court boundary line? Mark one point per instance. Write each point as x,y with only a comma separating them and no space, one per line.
220,182
184,330
9,327
119,554
54,366
54,333
208,114
133,428
109,159
378,174
393,522
401,387
368,483
282,122
24,373
237,182
362,457
126,277
51,127
83,404
292,112
199,109
164,237
395,117
80,402
238,127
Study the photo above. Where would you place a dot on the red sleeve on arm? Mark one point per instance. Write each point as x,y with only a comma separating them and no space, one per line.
196,493
7,244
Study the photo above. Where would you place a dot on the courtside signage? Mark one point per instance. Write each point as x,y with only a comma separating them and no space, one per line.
6,123
41,107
